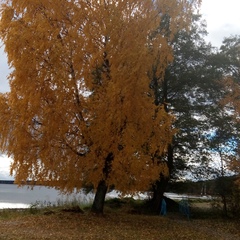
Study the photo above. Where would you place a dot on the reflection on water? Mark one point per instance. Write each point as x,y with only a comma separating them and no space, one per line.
12,196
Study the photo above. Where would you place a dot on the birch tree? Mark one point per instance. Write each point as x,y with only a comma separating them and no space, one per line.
80,109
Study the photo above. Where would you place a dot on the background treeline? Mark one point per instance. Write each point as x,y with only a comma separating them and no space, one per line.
211,188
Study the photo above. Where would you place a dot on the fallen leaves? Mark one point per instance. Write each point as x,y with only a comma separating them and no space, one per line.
114,226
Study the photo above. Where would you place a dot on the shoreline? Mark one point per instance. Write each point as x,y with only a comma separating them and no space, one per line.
7,182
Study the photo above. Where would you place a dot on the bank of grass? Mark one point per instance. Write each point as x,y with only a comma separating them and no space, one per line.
123,219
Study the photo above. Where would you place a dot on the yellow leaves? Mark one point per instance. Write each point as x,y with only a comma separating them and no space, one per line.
5,119
61,49
6,16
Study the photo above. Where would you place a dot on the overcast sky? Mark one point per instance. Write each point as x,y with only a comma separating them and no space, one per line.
223,20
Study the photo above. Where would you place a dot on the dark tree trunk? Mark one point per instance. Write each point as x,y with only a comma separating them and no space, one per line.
160,186
99,199
224,201
158,191
98,203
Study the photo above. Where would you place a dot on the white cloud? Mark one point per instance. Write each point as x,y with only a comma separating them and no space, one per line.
5,167
223,19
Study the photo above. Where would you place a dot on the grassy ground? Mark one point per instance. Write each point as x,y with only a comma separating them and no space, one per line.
120,221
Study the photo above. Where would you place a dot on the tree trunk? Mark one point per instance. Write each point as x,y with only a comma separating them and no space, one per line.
158,192
161,184
224,201
99,198
102,188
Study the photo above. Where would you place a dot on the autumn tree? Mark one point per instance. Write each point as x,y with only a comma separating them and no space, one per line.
80,109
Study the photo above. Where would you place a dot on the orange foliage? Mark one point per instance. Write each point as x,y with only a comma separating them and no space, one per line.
80,89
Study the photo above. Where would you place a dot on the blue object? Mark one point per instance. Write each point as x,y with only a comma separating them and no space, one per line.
163,211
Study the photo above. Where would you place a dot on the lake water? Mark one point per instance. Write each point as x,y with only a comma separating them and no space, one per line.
12,196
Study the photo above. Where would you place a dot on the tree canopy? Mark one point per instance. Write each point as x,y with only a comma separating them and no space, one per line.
80,109
200,89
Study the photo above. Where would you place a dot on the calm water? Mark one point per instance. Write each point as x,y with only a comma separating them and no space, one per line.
12,196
